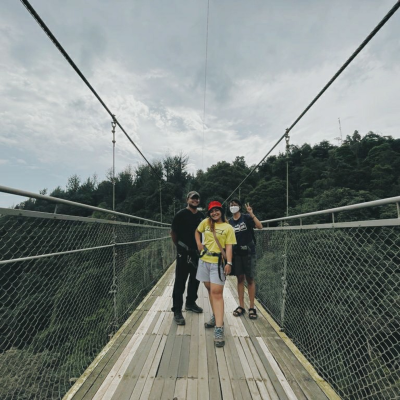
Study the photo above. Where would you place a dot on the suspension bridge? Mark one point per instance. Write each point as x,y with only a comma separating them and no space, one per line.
85,303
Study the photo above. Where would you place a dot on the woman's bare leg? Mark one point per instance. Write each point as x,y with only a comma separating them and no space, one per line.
217,303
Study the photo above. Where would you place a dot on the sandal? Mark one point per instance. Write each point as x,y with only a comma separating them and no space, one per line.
253,313
239,312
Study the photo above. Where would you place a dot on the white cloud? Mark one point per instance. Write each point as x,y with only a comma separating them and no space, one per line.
266,62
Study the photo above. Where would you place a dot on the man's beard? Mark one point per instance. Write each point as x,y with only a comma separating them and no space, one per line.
193,206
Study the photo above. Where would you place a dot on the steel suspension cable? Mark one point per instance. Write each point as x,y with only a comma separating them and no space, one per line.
36,16
342,68
205,86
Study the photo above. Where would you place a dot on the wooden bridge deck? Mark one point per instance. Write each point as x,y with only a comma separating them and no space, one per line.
152,358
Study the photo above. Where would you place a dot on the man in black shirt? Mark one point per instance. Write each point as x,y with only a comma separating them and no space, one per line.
183,229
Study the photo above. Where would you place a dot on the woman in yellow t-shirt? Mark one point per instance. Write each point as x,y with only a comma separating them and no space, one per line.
211,269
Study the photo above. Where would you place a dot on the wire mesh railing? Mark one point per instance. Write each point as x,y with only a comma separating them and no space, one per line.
334,289
66,285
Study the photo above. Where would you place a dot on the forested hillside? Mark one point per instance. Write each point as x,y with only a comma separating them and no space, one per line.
320,177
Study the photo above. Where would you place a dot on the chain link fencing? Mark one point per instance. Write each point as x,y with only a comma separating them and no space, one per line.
335,291
66,285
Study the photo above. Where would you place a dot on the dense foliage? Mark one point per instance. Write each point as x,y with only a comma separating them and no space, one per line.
320,177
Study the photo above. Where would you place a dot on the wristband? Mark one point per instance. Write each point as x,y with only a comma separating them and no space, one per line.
229,263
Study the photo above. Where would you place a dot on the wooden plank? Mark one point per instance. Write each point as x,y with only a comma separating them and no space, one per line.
303,378
203,388
144,373
167,324
192,389
180,389
257,330
289,391
224,378
113,379
183,366
236,321
188,327
130,377
175,355
96,378
237,394
151,381
212,367
159,322
181,328
254,370
233,362
194,348
272,378
264,375
89,381
156,389
255,394
169,389
163,370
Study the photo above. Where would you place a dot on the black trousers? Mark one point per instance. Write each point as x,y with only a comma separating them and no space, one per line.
183,269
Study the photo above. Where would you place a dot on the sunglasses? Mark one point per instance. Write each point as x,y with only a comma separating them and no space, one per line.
195,197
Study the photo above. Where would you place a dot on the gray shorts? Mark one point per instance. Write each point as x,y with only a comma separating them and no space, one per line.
244,265
208,272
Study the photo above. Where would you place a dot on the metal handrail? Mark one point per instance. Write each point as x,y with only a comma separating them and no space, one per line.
24,193
373,203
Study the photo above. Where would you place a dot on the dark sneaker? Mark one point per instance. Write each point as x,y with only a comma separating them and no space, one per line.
219,338
178,317
194,307
210,323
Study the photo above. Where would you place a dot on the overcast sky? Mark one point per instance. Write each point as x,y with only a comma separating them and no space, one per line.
266,61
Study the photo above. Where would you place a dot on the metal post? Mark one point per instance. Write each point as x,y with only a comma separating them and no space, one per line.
285,258
284,286
160,204
113,125
398,206
114,286
287,137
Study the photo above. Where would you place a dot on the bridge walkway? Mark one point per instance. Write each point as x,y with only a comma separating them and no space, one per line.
152,358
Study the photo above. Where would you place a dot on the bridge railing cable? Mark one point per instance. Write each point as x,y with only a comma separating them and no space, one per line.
333,287
324,89
56,200
41,23
67,284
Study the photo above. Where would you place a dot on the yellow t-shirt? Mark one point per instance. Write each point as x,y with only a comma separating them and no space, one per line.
225,235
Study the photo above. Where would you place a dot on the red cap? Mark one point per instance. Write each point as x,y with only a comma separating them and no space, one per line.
214,204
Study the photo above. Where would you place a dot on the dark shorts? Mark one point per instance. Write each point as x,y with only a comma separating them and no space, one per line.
244,265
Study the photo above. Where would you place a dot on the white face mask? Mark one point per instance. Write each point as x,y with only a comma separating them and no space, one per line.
234,209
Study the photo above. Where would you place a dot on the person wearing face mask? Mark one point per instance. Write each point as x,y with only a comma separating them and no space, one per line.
215,263
244,254
183,230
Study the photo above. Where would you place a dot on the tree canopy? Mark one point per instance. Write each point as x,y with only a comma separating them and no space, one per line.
320,176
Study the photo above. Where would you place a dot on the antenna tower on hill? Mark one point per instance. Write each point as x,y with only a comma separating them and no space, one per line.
339,138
